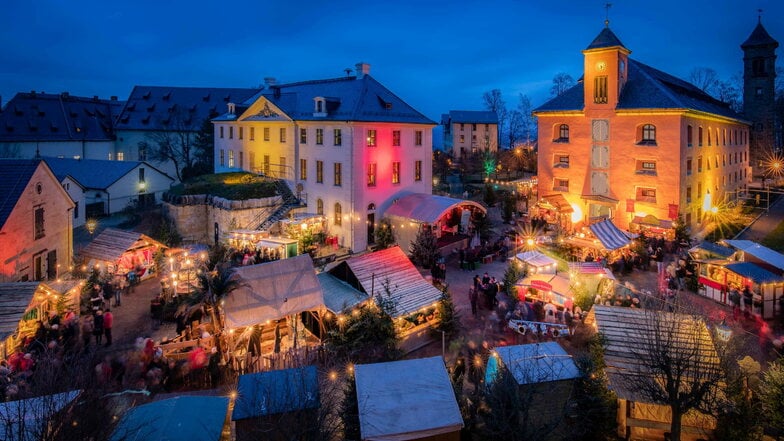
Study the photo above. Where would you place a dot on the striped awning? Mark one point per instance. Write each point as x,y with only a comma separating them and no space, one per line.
609,235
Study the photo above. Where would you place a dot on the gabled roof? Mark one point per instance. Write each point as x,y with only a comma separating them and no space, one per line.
177,108
406,400
196,418
276,392
15,299
339,296
110,245
761,252
94,173
538,362
606,38
706,250
427,208
472,116
409,291
62,117
346,99
759,37
15,174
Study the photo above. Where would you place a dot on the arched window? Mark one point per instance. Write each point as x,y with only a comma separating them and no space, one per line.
371,207
649,134
320,207
563,133
338,214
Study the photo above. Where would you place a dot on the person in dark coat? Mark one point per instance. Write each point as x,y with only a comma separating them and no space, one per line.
98,326
473,297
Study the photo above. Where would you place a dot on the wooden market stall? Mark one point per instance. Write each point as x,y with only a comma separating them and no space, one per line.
120,252
717,277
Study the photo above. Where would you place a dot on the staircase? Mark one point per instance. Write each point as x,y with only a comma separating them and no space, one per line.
290,201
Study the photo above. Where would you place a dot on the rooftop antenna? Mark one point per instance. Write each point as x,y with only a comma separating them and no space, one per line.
348,71
607,7
759,16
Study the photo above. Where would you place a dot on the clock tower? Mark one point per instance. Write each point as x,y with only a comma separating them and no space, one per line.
605,70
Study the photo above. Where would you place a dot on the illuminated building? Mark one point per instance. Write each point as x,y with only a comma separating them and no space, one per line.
638,146
468,132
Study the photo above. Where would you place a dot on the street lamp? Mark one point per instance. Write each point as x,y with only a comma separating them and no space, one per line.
91,225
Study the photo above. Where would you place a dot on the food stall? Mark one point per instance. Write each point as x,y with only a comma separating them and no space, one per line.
716,277
537,263
119,252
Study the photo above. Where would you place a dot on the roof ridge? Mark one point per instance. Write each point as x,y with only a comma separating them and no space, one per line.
641,67
305,82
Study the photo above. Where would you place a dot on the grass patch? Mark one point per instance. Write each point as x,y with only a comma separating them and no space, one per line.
775,239
234,186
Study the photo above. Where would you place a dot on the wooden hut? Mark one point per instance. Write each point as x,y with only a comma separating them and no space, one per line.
120,251
195,418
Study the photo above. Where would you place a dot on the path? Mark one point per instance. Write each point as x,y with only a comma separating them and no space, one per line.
764,223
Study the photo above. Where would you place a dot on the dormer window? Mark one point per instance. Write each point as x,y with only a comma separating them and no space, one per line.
232,108
319,106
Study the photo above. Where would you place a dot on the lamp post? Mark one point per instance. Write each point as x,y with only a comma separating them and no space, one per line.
91,225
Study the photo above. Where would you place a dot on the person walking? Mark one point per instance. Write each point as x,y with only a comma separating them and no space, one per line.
108,321
98,327
473,297
117,288
87,325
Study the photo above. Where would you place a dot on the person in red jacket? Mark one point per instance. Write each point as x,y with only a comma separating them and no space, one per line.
108,321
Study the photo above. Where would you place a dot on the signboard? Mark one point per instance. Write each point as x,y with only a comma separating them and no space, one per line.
630,205
673,211
541,285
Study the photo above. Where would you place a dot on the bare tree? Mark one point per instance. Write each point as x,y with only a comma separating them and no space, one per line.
177,143
528,122
515,128
730,92
561,83
494,102
705,78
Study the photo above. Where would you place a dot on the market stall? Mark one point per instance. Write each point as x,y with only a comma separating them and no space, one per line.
537,263
717,277
122,252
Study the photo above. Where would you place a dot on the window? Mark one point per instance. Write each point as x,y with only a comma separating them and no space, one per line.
252,161
39,222
473,127
699,137
371,138
648,135
319,136
699,190
242,157
338,214
231,132
320,172
231,158
240,133
338,174
337,135
221,131
561,161
709,137
462,138
462,126
303,136
688,195
141,175
560,184
320,207
699,164
303,169
282,134
758,67
371,174
688,166
600,156
646,168
396,172
418,137
222,157
266,164
563,133
487,127
646,194
600,90
266,133
76,210
396,138
417,171
143,151
109,156
724,137
689,135
252,133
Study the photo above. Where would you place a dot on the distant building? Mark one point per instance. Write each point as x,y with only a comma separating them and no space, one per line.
36,233
348,146
640,147
101,187
759,97
156,113
58,125
468,132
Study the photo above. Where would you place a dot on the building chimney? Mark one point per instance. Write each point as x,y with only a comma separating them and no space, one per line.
362,70
95,97
64,95
114,98
270,81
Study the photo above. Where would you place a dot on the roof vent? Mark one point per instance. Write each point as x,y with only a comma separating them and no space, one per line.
147,95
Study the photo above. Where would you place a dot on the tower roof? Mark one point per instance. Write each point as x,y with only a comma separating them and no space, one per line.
606,38
759,37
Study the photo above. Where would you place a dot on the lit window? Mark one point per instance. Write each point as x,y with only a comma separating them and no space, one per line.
337,136
282,134
252,133
417,170
396,138
648,135
231,158
303,136
371,138
120,156
600,90
462,138
338,214
371,175
563,133
320,207
418,137
320,172
645,194
303,169
319,136
699,164
396,172
561,161
338,174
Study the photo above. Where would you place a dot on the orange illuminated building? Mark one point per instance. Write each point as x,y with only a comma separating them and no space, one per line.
638,146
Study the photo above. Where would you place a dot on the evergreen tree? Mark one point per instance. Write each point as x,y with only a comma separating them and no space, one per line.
385,237
368,335
449,320
349,411
490,197
514,272
424,250
482,224
510,203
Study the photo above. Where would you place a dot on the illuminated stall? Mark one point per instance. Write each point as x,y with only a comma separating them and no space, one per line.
119,252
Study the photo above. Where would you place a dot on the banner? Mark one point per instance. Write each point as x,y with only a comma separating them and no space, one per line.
673,211
630,205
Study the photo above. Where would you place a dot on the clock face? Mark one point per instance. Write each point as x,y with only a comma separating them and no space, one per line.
600,66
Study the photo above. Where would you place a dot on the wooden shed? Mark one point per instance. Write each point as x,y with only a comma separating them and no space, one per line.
120,251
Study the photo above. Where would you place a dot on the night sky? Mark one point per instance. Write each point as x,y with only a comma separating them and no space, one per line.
435,55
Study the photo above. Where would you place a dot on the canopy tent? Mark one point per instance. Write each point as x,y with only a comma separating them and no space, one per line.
273,290
276,392
609,235
539,261
122,250
536,363
555,287
406,400
195,418
409,291
25,419
427,208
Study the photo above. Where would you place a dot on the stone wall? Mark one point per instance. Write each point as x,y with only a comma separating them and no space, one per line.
195,216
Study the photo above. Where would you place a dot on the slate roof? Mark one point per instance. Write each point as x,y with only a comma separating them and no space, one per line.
606,38
759,37
168,108
276,392
472,116
761,252
93,173
58,117
347,99
645,88
15,174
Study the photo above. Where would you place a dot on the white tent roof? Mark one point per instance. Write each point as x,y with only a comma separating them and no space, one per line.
536,258
427,208
273,290
404,400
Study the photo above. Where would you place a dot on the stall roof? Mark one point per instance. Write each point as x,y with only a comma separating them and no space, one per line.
275,392
754,272
15,298
535,258
23,419
712,249
586,268
196,418
427,208
609,235
561,283
339,296
273,290
405,400
538,362
559,202
110,245
627,330
409,290
762,253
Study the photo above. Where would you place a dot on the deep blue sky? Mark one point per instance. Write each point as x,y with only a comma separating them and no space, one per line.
435,55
